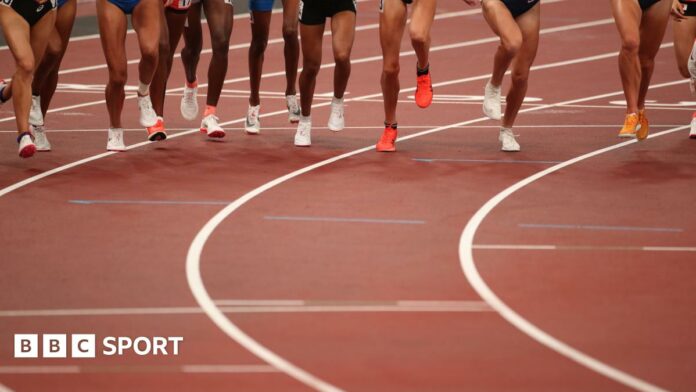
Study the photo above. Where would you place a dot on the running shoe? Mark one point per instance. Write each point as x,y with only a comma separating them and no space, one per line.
252,125
115,141
507,140
630,127
189,103
3,84
424,90
148,117
27,148
157,132
644,126
303,136
293,109
386,142
35,115
691,64
692,133
40,138
336,120
491,102
210,127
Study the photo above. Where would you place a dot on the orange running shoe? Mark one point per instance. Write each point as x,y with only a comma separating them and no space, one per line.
644,127
156,132
386,142
424,90
630,127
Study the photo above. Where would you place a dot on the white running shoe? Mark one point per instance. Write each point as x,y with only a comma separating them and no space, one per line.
692,133
210,127
3,84
491,102
148,117
189,103
303,136
293,109
507,138
336,120
115,142
40,139
252,126
35,115
27,148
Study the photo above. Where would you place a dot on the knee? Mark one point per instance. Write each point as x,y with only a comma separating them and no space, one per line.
164,49
630,45
258,46
391,69
118,77
418,37
311,67
512,46
25,66
342,57
289,33
150,53
221,45
520,77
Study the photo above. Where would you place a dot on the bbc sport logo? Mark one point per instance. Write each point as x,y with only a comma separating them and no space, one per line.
85,345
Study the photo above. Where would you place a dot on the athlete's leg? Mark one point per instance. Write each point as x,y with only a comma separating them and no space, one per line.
112,30
220,15
652,30
529,26
684,36
342,35
504,26
627,14
292,44
392,22
260,26
312,36
169,40
147,21
193,42
421,21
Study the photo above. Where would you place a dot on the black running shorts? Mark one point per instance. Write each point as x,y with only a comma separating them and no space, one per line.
315,12
30,10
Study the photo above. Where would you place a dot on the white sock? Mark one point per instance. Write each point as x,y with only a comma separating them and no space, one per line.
337,101
143,89
305,119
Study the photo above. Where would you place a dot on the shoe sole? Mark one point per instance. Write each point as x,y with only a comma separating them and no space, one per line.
302,145
43,149
335,129
294,120
424,105
627,135
252,131
216,134
28,151
692,136
116,149
157,136
388,149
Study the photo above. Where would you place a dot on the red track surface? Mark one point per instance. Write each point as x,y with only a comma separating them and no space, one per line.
600,293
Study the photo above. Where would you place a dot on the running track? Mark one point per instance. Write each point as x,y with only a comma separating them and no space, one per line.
337,268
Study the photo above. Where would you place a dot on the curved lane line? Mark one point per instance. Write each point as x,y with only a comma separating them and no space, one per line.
468,265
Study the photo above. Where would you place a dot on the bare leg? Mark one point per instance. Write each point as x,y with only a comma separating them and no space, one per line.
652,29
312,36
503,24
392,22
627,14
422,18
193,42
220,19
112,30
259,40
343,34
292,44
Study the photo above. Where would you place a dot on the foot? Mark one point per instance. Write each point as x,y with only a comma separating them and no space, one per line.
386,142
27,148
252,126
157,132
293,109
148,117
507,140
3,84
630,127
424,90
189,103
40,139
491,102
35,115
115,141
692,133
336,120
303,136
210,127
691,64
643,126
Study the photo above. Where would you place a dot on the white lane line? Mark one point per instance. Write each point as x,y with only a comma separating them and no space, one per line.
354,61
4,388
265,306
193,258
586,247
468,265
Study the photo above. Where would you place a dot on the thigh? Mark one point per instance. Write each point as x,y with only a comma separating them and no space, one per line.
40,34
529,25
291,9
652,28
147,22
65,19
684,36
343,31
260,24
312,36
392,22
17,33
219,14
500,20
627,16
422,16
112,32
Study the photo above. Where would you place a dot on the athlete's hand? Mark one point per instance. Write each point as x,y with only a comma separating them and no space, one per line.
677,11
